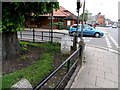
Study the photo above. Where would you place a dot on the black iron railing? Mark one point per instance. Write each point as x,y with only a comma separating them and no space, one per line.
75,56
35,35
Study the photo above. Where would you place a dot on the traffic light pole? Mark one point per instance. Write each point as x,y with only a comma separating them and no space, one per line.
81,42
75,39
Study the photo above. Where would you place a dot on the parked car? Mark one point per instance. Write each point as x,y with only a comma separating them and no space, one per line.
109,25
114,26
87,30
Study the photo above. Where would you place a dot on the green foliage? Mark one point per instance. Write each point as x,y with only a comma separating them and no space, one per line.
85,16
14,13
23,57
52,47
23,46
61,20
54,24
0,80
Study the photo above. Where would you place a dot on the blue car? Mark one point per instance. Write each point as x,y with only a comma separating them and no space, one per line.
87,30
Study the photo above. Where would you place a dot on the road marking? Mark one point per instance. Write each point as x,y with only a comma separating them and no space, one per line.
108,43
111,50
116,44
87,39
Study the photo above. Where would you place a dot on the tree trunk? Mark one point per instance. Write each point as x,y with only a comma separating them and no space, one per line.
10,45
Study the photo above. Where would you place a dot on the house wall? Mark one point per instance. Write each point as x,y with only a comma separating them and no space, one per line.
71,22
100,20
40,22
43,22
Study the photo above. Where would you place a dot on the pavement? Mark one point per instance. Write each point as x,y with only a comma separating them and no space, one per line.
99,71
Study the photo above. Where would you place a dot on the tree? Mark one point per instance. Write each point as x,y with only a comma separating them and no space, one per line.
13,16
85,16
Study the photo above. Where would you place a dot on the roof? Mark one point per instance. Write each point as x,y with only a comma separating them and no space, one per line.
58,13
68,13
71,17
62,12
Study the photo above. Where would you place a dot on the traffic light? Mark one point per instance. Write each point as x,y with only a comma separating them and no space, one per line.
79,4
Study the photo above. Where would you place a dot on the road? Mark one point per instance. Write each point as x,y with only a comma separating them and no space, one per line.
108,41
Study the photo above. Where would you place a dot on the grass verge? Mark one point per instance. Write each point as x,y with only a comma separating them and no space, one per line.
38,70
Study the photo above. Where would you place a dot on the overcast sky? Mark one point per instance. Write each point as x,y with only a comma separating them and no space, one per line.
109,8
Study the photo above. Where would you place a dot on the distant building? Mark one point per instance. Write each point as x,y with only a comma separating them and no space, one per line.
100,19
108,22
65,17
97,19
91,19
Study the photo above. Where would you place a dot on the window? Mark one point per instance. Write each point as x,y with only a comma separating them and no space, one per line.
68,23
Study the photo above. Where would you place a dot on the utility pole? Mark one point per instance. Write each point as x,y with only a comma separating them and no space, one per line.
81,43
82,22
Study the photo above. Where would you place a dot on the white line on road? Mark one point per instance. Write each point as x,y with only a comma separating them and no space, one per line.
108,43
116,44
86,39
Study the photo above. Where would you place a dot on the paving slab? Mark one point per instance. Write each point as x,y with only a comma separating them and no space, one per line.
99,71
105,83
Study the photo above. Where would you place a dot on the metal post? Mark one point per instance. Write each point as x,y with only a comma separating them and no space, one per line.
81,42
75,39
20,34
77,22
77,27
33,35
52,26
68,66
82,22
49,26
42,35
75,42
81,46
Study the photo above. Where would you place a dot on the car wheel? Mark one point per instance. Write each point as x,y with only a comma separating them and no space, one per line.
97,35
